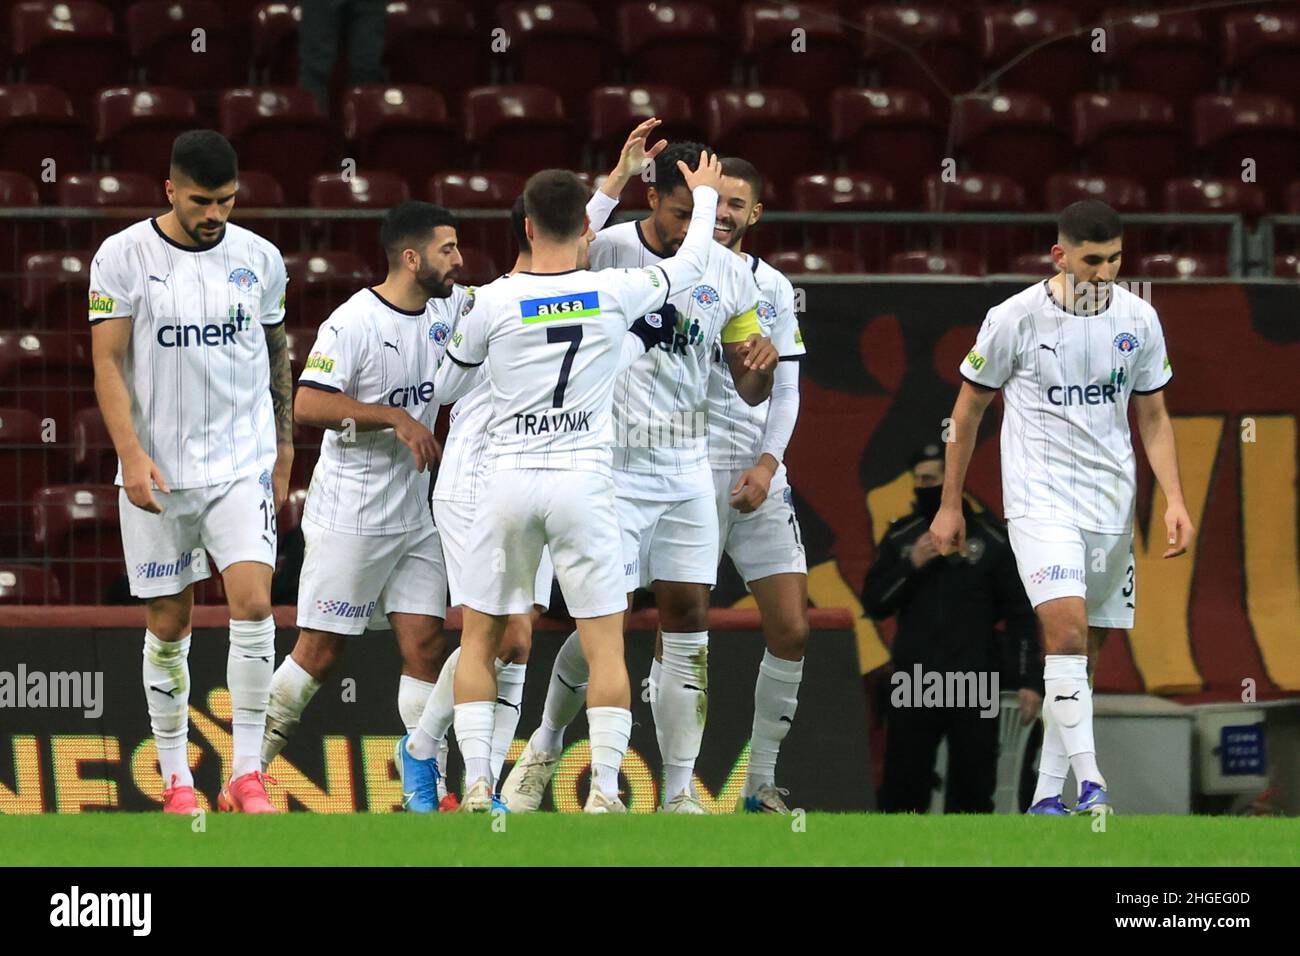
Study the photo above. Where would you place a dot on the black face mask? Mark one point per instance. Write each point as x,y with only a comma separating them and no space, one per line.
928,499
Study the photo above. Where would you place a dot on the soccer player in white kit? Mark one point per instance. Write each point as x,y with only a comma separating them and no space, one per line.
664,485
757,526
1067,354
373,557
193,379
552,337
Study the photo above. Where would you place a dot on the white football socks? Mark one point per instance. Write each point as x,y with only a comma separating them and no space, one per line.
473,722
565,695
429,739
1053,762
510,696
292,689
610,729
1066,692
776,695
412,695
167,694
249,666
681,706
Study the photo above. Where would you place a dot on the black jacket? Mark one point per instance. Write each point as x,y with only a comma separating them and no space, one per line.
948,610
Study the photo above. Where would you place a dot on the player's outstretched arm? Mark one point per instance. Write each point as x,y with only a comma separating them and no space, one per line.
949,527
632,159
687,267
277,350
1157,433
109,342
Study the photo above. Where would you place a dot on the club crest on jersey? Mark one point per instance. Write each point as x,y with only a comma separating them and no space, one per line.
705,295
439,332
264,479
243,279
1126,342
654,320
766,313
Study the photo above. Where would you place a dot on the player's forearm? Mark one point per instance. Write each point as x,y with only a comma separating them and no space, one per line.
1158,438
687,267
601,205
277,350
115,406
783,413
964,428
454,380
336,411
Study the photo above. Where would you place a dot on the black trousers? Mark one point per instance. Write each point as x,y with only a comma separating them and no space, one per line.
324,22
912,745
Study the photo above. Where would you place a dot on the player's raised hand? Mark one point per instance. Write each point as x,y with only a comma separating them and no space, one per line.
708,173
949,530
1178,524
419,439
634,155
759,352
139,477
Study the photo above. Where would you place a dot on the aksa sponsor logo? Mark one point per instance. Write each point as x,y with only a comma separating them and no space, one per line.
1056,572
100,303
346,609
319,362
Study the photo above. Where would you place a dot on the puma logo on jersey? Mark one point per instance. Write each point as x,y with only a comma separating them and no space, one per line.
556,422
1050,348
163,280
390,345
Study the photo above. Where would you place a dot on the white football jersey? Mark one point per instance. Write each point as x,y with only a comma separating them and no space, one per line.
736,427
377,354
552,345
661,406
197,368
1066,381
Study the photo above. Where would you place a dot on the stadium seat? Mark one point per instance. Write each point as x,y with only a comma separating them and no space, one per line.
615,111
674,44
914,45
55,286
488,189
90,190
281,131
1013,134
1287,265
37,124
135,126
93,456
160,34
519,128
1209,195
49,374
28,584
892,132
71,44
923,262
827,59
1133,134
479,267
557,44
1033,264
816,261
771,125
275,43
319,282
1182,265
1256,126
402,129
1262,51
1164,52
1056,70
17,238
1122,193
979,192
76,526
258,189
848,191
25,465
436,44
373,189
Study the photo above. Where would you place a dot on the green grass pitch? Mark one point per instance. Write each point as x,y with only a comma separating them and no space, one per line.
817,839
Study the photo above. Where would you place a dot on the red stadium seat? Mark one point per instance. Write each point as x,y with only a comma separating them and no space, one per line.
93,456
488,189
905,44
479,267
135,126
1133,134
28,584
1255,126
77,527
1013,134
979,192
402,129
673,44
262,191
279,130
1287,265
887,131
55,290
558,44
275,43
375,189
17,238
49,374
826,60
615,111
38,124
71,44
1210,195
923,262
849,191
1182,265
519,128
258,189
436,44
1033,264
816,261
1056,70
124,189
771,125
25,465
1262,50
319,282
160,33
1161,52
1121,193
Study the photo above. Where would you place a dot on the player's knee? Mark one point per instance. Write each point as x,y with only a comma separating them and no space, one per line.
168,619
252,608
790,639
684,612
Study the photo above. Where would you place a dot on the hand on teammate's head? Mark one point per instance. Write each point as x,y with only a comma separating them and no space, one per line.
707,173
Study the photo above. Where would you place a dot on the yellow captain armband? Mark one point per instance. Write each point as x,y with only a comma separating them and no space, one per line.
741,327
